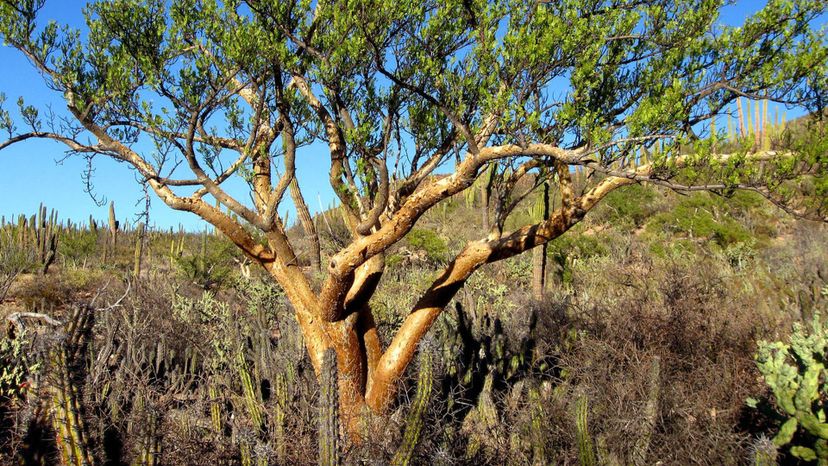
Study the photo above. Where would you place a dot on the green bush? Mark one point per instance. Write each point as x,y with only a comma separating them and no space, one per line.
633,204
13,261
701,217
77,246
16,364
211,266
796,374
428,241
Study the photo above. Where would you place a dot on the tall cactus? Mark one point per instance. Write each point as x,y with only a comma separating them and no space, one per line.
539,253
642,444
536,428
139,251
414,421
66,415
307,224
215,408
71,435
150,445
251,396
45,236
328,411
586,450
279,418
113,226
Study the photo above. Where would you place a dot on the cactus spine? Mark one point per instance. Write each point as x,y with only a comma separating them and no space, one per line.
328,411
414,422
763,452
586,451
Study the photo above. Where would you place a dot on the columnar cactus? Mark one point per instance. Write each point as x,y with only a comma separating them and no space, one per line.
139,251
642,444
328,411
66,415
279,418
251,395
150,444
794,371
586,451
536,427
45,238
113,225
215,408
71,434
414,422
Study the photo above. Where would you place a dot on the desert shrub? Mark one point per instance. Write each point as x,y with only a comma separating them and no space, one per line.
43,293
699,217
16,363
211,267
568,249
77,246
629,205
13,261
434,247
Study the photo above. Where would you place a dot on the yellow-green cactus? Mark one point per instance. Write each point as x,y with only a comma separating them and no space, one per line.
793,371
414,423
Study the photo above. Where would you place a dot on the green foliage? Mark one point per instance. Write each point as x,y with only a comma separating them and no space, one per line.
14,260
430,242
796,374
572,247
703,217
16,364
75,248
211,266
629,204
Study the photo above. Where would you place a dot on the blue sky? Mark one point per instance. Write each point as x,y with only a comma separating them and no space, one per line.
32,172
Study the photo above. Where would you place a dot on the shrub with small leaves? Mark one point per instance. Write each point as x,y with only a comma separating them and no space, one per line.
797,376
14,260
15,364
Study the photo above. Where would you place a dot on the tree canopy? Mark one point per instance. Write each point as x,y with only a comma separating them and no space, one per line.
414,101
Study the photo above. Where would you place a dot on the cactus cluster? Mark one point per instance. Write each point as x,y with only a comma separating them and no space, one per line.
38,235
796,374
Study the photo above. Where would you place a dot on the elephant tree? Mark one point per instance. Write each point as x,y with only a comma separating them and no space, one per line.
406,104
